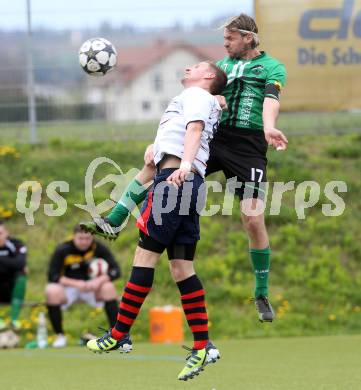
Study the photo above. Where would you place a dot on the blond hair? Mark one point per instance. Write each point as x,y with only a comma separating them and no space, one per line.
244,24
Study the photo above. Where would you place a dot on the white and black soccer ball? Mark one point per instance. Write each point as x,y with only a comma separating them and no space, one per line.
97,56
97,267
9,339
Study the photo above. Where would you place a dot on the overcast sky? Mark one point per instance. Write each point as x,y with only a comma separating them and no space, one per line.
141,13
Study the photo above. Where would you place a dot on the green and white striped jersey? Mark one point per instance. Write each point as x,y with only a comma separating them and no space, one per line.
249,82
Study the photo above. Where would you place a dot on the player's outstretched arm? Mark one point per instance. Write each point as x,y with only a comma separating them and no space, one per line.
192,141
273,136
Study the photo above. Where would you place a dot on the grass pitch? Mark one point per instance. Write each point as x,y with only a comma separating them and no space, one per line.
314,363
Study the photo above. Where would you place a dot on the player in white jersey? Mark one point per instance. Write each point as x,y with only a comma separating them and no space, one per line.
193,104
181,150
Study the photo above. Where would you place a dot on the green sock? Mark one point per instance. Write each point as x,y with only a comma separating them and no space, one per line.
132,195
261,265
17,296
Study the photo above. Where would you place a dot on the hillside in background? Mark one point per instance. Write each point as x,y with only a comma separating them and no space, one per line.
315,277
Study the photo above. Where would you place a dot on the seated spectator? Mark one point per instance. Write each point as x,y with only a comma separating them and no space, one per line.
68,280
12,275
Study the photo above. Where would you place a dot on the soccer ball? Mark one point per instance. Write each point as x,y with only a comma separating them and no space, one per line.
9,339
97,267
97,56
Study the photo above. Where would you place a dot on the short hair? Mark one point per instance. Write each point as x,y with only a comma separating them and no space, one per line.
244,24
2,222
78,229
220,81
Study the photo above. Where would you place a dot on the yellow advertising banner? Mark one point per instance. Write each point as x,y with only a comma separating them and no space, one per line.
319,42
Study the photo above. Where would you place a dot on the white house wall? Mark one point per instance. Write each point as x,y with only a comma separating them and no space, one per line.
140,101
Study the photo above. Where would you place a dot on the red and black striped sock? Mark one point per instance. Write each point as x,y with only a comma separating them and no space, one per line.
135,292
194,306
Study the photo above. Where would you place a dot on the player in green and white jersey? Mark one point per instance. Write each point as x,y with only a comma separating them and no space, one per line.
238,149
250,81
240,145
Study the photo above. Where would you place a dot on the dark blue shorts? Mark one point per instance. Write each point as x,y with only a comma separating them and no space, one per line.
169,215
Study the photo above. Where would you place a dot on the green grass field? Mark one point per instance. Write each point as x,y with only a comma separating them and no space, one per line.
314,363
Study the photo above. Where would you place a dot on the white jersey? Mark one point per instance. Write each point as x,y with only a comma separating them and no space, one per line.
193,104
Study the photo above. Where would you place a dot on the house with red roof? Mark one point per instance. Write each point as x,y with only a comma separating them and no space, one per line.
146,78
